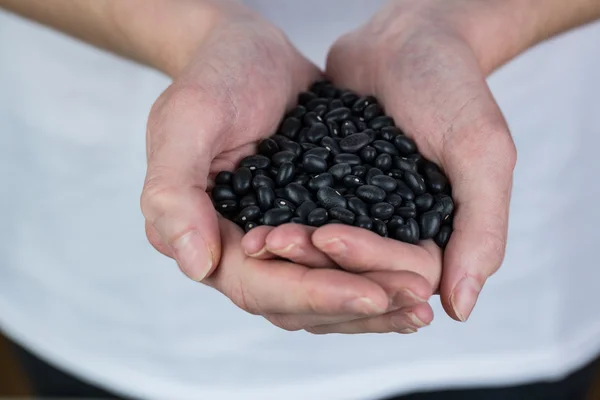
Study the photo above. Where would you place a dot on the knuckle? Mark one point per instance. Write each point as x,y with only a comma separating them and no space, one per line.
238,294
493,246
157,197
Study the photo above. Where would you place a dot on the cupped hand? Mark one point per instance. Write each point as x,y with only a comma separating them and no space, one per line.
232,93
415,57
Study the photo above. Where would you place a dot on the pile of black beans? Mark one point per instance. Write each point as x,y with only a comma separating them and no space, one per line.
337,158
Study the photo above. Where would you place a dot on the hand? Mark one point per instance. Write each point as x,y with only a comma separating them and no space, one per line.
232,93
414,57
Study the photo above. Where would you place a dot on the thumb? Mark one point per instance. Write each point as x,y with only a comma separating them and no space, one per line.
481,174
180,219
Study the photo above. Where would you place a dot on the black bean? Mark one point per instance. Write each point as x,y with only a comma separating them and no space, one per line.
363,221
329,198
255,162
383,146
383,162
368,154
260,180
322,180
394,199
290,127
223,178
359,170
348,98
308,146
385,182
317,87
395,222
390,132
347,158
302,136
405,164
335,103
249,226
443,204
372,172
314,103
360,125
297,220
305,97
429,224
341,189
380,122
320,152
305,208
297,112
317,217
371,134
223,192
283,157
429,167
242,180
382,210
320,110
370,194
352,181
405,212
311,118
334,221
331,145
296,193
333,127
415,182
443,236
404,191
344,215
436,182
403,233
314,164
251,213
354,142
248,200
294,147
317,132
262,172
301,179
372,111
283,203
265,197
348,128
405,145
395,173
380,228
339,114
279,139
277,216
329,92
285,174
357,206
227,206
424,202
409,203
360,104
414,229
416,158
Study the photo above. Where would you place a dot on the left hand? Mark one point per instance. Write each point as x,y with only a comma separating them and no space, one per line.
414,57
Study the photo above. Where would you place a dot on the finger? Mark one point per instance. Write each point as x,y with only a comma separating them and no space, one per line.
274,286
174,199
400,288
254,243
293,242
360,250
402,321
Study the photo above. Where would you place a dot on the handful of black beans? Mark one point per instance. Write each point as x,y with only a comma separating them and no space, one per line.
337,158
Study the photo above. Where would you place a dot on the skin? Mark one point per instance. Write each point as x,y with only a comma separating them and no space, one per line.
234,74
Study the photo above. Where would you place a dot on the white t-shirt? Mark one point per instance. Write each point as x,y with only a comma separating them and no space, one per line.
80,285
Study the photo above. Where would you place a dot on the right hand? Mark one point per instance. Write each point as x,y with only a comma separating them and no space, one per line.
233,93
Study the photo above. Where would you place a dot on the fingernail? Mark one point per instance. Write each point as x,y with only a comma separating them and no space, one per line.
258,253
464,296
408,330
363,306
406,297
416,321
193,255
334,246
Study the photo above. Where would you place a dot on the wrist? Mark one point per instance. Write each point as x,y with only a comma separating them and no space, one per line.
164,34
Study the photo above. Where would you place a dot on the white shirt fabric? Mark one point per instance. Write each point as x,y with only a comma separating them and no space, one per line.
81,287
